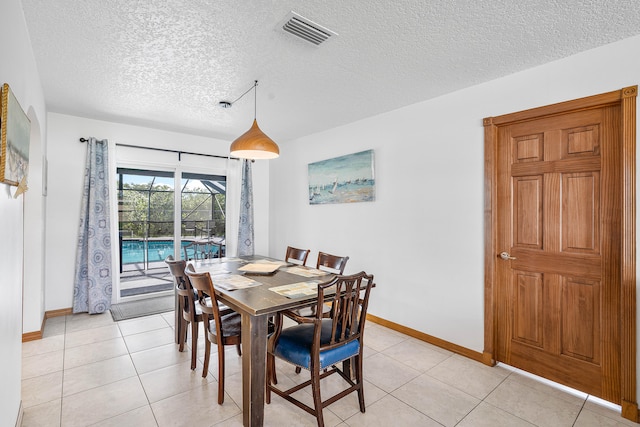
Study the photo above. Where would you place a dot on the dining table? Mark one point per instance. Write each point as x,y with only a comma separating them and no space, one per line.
258,287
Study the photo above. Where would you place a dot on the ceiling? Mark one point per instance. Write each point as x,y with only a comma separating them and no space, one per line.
168,63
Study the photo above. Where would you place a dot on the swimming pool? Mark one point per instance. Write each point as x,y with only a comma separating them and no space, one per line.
133,251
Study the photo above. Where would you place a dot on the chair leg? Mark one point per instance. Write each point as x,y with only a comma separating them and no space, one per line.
207,355
220,374
269,379
183,335
317,401
358,369
194,344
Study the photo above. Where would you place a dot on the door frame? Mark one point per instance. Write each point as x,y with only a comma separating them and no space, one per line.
625,98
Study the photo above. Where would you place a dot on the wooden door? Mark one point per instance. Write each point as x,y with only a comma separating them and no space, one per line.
557,247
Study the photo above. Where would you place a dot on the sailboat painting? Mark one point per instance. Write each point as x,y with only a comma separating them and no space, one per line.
344,179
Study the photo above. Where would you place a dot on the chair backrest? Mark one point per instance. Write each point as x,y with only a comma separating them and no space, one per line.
348,308
183,285
207,298
295,254
202,250
331,263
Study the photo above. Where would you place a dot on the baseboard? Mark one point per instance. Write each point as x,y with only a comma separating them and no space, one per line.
37,335
455,348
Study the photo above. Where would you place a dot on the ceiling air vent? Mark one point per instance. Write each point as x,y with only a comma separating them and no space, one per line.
306,29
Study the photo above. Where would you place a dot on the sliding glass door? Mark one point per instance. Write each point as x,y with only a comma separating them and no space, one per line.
147,219
146,230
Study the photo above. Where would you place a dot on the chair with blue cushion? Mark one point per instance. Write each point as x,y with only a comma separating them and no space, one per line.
320,344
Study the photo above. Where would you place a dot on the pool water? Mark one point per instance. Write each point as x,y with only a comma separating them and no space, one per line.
157,250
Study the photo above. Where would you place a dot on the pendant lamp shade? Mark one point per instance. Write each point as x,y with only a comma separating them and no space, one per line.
254,144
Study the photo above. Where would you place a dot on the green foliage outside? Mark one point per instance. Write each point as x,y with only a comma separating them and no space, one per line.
145,213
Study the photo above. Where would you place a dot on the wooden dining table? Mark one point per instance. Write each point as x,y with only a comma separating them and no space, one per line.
255,305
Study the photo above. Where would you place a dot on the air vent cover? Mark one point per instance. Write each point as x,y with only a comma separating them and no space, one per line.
306,29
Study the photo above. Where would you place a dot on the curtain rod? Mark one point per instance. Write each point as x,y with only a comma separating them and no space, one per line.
180,153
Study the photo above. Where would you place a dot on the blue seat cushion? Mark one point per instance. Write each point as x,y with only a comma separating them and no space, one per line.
294,346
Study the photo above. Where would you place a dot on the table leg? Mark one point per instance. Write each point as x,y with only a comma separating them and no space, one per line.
254,356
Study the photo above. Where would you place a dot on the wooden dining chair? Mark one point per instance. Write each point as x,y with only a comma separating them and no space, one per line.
202,250
189,312
219,329
297,256
320,344
331,263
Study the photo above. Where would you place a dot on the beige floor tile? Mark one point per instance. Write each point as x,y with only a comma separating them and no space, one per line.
54,326
348,405
147,340
101,403
43,415
470,376
140,417
42,389
232,362
416,354
441,402
387,373
195,407
232,422
485,415
83,321
607,410
90,353
97,374
282,413
540,406
90,336
587,418
559,391
159,357
389,411
42,364
380,338
172,380
169,317
44,345
141,324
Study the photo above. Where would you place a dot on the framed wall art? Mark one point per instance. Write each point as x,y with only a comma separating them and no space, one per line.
15,130
344,179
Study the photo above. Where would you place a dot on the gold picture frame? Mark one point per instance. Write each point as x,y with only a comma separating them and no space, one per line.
15,131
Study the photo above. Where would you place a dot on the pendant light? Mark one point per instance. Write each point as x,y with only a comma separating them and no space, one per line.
254,144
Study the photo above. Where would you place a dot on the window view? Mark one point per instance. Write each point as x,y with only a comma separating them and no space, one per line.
146,225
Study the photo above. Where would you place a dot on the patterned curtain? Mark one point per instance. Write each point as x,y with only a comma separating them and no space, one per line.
93,275
245,230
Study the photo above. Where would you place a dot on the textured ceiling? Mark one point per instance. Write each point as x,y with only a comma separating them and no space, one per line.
167,63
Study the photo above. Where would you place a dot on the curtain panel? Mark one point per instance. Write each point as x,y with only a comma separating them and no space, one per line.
245,228
93,273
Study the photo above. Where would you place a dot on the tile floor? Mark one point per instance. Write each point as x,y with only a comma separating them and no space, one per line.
91,371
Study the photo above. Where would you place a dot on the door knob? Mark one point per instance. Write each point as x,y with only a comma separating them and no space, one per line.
505,256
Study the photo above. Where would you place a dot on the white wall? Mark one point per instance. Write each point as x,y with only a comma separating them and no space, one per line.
66,172
423,236
17,68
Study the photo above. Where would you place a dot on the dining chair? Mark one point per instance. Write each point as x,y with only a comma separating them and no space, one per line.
319,344
334,264
219,329
189,313
203,249
331,263
297,256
